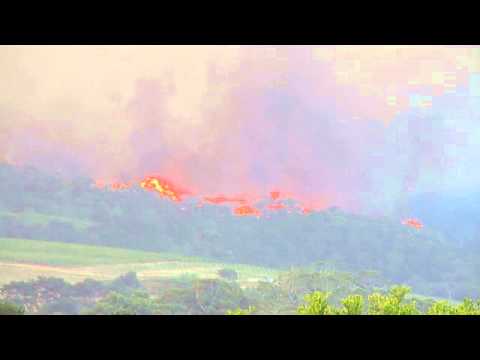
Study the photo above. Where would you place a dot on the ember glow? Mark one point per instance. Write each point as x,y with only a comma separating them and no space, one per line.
247,210
99,184
112,185
120,186
275,195
413,223
221,199
276,206
306,210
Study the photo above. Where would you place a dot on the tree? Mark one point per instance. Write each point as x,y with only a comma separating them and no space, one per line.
467,307
353,305
136,303
62,306
126,282
392,303
216,297
7,308
317,304
228,274
249,311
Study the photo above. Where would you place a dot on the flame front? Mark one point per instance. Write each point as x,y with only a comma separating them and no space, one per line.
172,192
163,188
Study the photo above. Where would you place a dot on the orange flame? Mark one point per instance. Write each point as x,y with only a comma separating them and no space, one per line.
167,189
276,206
275,195
246,210
222,199
114,186
163,188
99,184
306,210
413,223
120,186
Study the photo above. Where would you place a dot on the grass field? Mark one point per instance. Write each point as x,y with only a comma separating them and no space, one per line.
22,259
35,218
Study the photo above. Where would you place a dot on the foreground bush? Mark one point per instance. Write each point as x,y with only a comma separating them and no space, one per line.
249,311
392,303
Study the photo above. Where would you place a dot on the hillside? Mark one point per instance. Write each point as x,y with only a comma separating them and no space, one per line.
40,206
456,214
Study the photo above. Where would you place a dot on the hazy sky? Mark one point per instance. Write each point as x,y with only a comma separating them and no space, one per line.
352,126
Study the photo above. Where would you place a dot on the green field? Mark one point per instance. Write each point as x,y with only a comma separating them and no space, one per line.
64,254
22,259
34,218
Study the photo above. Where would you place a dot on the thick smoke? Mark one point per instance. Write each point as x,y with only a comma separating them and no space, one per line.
354,127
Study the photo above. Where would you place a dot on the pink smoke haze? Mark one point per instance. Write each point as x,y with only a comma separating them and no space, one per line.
327,125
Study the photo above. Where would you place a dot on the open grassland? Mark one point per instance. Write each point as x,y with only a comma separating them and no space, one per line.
68,255
35,218
22,259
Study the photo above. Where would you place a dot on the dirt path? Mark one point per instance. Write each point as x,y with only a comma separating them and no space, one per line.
24,271
145,271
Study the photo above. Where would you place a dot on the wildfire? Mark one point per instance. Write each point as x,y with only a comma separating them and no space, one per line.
120,186
275,195
276,206
99,184
306,210
413,223
243,207
114,186
163,188
246,210
223,199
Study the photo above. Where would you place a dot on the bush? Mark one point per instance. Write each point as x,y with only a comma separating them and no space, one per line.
392,303
137,303
317,304
228,274
125,282
62,306
249,311
7,308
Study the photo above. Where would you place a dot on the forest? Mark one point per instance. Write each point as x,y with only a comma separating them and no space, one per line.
297,292
41,206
